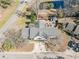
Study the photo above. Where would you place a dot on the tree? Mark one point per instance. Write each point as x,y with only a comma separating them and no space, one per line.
33,16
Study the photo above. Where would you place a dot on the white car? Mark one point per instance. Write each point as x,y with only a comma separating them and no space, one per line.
39,38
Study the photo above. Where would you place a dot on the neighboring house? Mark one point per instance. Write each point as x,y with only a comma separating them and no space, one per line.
70,27
76,32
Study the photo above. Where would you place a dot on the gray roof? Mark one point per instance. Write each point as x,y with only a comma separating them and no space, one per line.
51,32
76,30
34,32
43,32
70,26
25,33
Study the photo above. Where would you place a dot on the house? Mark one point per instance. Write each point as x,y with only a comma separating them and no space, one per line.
34,32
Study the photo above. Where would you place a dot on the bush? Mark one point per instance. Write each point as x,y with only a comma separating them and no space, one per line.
7,45
4,3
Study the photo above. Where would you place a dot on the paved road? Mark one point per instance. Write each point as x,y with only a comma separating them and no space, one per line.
12,19
17,56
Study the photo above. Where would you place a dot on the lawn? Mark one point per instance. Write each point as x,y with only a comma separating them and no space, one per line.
8,12
20,22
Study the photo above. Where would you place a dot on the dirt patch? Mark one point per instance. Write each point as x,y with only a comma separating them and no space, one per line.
59,44
25,48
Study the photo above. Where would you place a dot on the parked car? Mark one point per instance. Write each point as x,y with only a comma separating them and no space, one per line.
76,49
78,45
72,44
